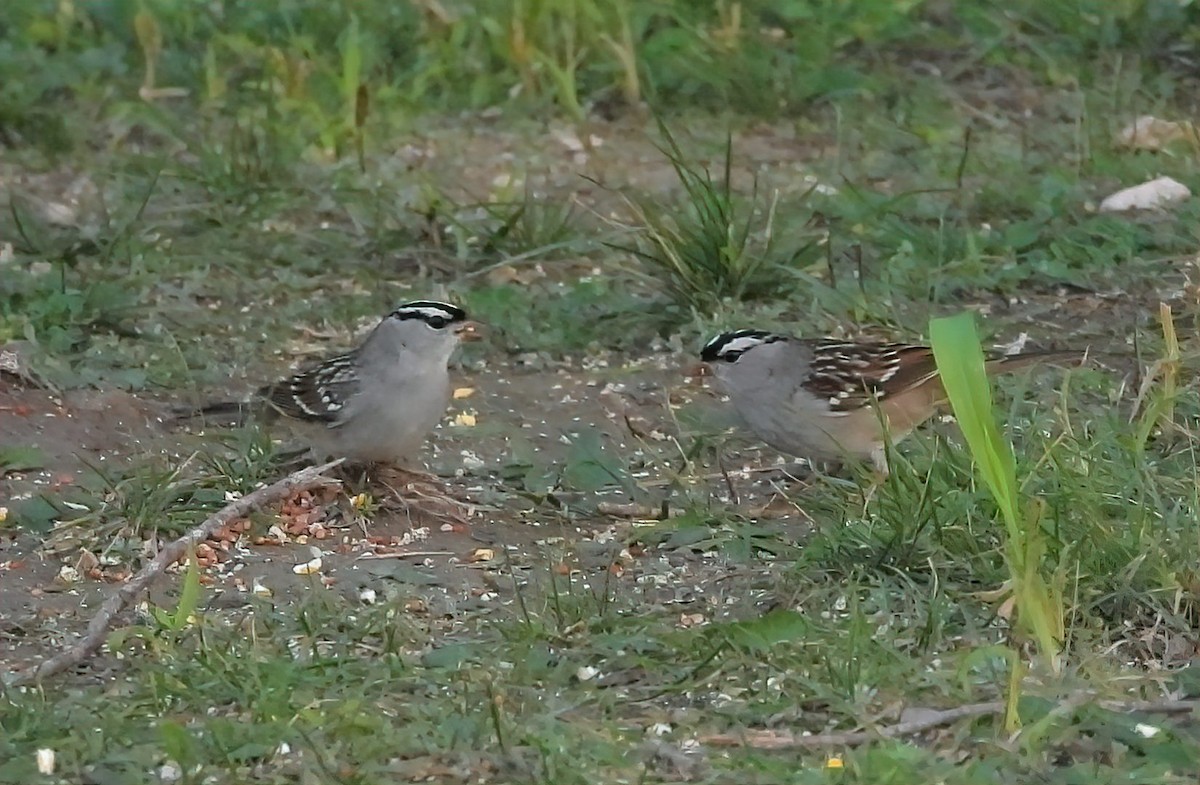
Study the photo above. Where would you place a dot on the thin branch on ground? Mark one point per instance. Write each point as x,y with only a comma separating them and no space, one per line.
403,555
786,740
101,624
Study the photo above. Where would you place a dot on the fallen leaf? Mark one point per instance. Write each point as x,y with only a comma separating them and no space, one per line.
1152,133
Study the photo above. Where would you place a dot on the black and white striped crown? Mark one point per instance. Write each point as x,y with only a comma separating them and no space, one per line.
731,345
435,314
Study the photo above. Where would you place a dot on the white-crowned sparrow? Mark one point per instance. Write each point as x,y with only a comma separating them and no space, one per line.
377,402
823,399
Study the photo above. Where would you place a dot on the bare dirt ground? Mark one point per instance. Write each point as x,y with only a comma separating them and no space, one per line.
441,562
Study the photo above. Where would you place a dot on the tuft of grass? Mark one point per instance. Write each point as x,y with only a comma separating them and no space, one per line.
531,228
125,506
715,246
508,229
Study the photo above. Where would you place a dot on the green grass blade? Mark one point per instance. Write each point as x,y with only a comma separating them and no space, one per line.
961,365
189,595
960,362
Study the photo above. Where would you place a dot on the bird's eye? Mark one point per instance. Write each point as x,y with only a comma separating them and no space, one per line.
731,357
437,322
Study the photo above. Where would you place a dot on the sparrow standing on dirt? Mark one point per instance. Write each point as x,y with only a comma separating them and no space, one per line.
378,402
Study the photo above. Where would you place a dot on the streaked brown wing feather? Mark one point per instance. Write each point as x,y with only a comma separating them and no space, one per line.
317,393
852,375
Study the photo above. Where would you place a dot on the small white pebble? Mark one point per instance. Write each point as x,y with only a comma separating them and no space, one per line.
659,729
586,673
170,772
367,596
45,761
1148,731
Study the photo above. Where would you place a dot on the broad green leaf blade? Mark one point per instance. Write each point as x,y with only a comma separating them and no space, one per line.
189,596
18,458
961,366
778,626
960,363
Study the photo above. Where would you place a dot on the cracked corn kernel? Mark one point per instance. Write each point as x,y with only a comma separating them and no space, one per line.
309,567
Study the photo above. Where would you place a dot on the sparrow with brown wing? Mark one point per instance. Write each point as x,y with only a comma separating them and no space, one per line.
828,400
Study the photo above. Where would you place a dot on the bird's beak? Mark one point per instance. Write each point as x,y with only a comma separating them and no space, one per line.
469,331
697,371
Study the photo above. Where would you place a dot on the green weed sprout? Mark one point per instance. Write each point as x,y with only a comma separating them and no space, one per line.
1038,604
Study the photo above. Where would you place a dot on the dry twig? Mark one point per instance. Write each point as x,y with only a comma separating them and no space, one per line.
403,555
784,740
100,625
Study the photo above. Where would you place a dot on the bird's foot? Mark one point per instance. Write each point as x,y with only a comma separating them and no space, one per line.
414,491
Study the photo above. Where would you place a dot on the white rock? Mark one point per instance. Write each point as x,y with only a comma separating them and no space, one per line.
45,761
1159,192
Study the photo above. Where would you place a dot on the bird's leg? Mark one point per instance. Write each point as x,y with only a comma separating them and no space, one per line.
733,494
879,476
880,462
423,492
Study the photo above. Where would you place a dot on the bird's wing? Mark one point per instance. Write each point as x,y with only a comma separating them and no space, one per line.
853,375
319,393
